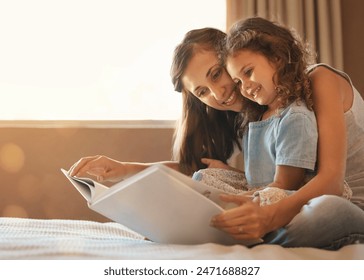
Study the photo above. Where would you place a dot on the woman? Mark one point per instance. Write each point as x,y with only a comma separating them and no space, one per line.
207,129
206,80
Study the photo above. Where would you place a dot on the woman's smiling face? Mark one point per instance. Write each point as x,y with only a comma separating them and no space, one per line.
208,80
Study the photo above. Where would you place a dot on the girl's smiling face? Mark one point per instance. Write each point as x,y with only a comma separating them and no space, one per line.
254,74
205,78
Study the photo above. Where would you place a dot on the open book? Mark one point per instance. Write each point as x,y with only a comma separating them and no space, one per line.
161,204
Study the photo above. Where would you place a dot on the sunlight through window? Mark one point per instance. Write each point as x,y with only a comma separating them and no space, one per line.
95,60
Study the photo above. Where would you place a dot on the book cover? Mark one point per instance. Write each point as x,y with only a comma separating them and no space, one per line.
161,204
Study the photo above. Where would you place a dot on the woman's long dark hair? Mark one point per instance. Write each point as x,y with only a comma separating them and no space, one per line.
202,131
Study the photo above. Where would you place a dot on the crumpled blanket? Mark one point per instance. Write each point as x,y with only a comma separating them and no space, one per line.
234,182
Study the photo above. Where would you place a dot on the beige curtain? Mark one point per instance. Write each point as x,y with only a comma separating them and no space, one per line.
317,21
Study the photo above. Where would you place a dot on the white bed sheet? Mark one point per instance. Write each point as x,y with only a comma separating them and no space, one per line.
77,239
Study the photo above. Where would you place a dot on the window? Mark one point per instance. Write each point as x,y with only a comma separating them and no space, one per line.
94,60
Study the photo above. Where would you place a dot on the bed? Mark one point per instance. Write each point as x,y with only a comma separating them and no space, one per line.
57,239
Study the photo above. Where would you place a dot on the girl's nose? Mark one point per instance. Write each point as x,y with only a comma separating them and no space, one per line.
245,85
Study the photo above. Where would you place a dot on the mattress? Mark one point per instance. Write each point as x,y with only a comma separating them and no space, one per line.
49,239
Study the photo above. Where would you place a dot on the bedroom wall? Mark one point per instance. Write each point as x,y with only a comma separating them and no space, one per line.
30,161
353,41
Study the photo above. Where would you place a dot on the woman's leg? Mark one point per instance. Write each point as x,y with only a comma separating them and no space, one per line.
327,222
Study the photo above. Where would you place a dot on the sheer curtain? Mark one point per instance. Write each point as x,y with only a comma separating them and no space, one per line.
317,21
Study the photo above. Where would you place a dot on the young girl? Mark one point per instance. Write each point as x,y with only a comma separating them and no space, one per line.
269,65
281,131
270,68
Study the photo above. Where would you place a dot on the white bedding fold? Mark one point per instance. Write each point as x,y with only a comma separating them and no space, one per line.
77,239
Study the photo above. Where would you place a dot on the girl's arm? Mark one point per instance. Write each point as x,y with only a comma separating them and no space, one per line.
288,177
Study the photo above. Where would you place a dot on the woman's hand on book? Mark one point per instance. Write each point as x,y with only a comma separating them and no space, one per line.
246,221
101,167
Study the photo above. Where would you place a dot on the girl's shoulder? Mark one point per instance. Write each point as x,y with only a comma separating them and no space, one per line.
298,109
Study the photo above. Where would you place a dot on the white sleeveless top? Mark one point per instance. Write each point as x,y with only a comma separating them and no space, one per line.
354,118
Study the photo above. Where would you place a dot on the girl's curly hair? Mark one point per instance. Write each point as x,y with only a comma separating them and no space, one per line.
284,49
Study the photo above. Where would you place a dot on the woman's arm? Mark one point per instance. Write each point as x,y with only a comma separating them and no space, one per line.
329,93
107,169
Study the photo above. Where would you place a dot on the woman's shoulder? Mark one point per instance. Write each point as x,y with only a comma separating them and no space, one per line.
329,82
332,83
324,73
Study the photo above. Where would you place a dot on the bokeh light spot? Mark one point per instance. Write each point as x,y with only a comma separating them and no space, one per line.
14,211
11,157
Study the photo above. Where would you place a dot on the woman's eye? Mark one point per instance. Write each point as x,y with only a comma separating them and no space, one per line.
216,74
201,93
248,72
